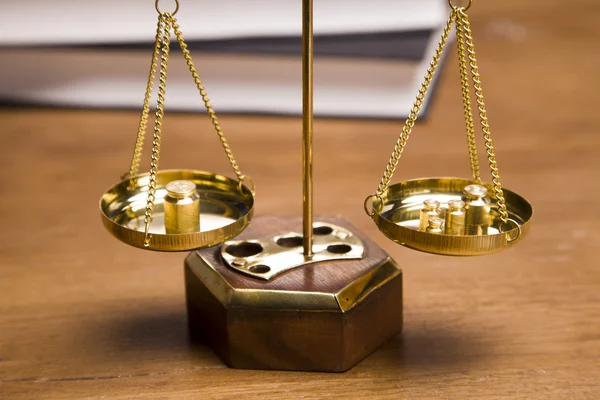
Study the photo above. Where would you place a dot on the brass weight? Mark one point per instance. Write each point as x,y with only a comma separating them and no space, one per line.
182,207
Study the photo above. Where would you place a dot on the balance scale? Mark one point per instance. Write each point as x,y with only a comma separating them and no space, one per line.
293,293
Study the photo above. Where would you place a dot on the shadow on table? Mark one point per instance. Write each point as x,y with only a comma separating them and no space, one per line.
162,330
431,345
146,331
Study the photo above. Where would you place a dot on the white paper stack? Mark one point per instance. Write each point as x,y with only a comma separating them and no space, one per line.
370,57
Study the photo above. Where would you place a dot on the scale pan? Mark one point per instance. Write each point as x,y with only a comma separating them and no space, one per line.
396,214
226,208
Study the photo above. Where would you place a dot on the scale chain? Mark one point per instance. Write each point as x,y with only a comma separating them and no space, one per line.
463,21
465,45
166,22
158,125
464,81
202,90
139,143
414,112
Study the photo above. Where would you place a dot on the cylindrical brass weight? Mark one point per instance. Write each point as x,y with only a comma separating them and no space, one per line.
435,225
431,209
455,218
477,210
182,207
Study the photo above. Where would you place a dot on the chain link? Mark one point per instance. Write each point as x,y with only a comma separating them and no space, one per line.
141,135
202,90
464,81
158,125
463,21
414,112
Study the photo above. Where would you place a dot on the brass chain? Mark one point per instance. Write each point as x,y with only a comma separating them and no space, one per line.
158,124
141,135
414,112
202,90
463,21
166,22
464,81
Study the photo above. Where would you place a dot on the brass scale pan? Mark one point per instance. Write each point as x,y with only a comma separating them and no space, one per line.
396,215
226,208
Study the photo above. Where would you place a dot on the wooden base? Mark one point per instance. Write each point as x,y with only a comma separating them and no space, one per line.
319,317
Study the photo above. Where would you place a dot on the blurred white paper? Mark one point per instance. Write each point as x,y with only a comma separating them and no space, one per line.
235,83
43,22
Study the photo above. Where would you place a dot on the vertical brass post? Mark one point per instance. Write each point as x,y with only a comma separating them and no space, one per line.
307,124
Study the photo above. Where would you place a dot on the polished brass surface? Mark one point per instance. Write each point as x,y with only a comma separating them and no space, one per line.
435,225
265,258
225,212
477,210
396,214
455,218
431,209
344,300
182,207
307,124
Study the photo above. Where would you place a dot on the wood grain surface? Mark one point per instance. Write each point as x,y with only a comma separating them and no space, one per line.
84,316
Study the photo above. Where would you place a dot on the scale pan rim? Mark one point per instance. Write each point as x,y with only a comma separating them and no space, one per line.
237,205
400,194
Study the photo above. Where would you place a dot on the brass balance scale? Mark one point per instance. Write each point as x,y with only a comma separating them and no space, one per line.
295,294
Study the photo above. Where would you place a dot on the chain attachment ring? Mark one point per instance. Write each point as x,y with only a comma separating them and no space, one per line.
147,237
366,205
172,13
249,183
510,239
457,7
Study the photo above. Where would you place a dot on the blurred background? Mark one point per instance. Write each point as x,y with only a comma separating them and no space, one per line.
370,55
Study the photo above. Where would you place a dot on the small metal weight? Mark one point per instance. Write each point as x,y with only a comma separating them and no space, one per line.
182,207
477,210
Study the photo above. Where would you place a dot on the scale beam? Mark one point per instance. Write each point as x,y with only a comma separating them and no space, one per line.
307,125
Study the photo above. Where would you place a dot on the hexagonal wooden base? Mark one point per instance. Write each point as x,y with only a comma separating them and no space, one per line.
319,317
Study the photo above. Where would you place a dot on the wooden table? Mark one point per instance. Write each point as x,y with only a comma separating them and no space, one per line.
84,316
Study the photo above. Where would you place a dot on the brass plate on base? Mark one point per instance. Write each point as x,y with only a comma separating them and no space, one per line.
397,216
265,258
225,211
325,316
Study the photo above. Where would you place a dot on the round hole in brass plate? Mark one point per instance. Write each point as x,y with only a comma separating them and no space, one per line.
339,248
225,211
322,230
284,252
259,269
396,215
290,241
244,249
